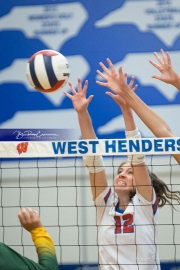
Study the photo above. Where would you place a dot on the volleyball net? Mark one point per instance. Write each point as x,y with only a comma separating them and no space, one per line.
50,176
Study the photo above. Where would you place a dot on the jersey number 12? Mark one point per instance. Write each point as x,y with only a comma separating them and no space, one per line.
127,226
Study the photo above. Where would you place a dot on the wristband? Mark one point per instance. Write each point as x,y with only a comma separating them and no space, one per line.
94,164
138,158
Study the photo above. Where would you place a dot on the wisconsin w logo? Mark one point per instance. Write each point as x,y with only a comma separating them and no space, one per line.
22,147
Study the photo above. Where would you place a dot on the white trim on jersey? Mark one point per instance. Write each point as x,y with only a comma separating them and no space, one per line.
127,241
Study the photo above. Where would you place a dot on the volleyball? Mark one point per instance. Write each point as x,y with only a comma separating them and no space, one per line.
47,71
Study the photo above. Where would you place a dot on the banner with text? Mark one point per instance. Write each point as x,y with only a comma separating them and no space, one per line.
155,146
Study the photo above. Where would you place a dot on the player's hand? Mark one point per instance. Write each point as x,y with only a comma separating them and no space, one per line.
118,99
78,98
29,219
168,74
117,83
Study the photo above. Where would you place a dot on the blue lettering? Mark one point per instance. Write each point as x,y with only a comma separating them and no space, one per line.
146,145
110,146
122,145
59,147
83,147
158,145
133,145
72,148
178,143
169,143
94,143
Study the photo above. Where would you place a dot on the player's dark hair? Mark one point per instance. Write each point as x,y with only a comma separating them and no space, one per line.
164,194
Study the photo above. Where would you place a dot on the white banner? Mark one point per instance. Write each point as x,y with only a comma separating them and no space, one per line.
105,147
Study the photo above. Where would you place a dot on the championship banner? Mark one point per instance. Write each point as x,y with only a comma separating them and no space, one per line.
104,147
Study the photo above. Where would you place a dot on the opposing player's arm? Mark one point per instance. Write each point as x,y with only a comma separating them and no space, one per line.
31,222
94,163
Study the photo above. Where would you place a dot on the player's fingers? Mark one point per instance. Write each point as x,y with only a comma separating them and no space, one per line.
125,76
106,70
120,71
110,95
85,87
103,76
158,58
22,215
68,95
79,85
156,77
154,64
31,213
72,88
90,98
168,58
101,83
131,82
116,98
36,212
135,87
21,219
163,56
110,64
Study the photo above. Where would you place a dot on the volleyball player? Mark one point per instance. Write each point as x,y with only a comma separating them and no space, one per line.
12,260
127,212
117,84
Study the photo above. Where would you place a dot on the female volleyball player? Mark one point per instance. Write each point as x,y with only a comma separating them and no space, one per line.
127,213
117,83
11,260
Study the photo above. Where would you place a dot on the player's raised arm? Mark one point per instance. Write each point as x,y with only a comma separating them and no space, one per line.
10,259
140,172
117,84
168,74
81,103
94,163
31,222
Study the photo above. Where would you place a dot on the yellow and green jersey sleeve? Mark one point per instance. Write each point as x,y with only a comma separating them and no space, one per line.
45,248
12,260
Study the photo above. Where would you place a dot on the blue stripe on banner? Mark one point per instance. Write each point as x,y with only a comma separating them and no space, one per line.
49,69
33,75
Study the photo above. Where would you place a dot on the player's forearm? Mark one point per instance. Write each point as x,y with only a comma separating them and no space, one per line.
87,130
154,122
128,118
45,248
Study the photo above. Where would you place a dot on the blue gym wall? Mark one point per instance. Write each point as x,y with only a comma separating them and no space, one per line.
87,32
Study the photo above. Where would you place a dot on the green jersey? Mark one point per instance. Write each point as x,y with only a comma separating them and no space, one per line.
12,260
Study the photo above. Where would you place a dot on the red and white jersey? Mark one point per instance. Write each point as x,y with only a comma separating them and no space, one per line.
127,241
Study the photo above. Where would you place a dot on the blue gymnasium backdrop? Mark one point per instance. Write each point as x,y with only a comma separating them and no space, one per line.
87,32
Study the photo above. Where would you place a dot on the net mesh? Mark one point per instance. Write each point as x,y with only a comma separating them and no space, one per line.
59,189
